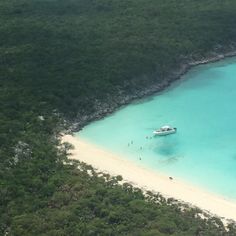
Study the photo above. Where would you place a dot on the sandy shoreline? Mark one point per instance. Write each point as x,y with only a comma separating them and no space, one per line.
143,178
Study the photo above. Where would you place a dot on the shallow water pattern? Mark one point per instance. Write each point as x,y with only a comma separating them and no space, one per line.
202,107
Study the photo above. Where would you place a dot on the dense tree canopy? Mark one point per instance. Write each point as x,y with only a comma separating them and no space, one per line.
56,58
66,53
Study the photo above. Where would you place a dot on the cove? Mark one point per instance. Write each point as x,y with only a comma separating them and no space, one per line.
203,151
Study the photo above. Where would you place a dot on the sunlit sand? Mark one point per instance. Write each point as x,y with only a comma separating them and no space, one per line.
146,179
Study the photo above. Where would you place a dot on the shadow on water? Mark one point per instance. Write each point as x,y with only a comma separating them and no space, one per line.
170,160
234,157
143,100
166,145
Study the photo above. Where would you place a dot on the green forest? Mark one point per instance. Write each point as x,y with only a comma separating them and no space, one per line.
58,59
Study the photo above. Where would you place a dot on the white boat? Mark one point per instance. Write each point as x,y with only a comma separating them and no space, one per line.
165,130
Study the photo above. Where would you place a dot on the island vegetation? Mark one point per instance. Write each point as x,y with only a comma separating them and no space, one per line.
61,61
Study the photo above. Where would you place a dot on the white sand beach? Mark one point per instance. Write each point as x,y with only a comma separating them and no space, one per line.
149,180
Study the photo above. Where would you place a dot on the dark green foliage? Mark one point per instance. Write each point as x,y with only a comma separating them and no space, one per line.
56,58
86,204
67,53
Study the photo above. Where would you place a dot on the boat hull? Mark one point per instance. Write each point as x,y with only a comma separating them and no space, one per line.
164,133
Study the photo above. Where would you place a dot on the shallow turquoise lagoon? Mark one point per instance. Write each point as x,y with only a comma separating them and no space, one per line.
202,105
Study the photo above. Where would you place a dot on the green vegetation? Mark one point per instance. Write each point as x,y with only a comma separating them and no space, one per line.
86,203
57,57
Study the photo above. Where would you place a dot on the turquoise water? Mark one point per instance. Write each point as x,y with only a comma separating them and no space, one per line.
202,106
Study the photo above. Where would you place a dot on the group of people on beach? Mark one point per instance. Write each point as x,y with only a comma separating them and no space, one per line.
170,178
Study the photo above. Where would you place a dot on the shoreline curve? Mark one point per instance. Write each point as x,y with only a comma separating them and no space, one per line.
143,178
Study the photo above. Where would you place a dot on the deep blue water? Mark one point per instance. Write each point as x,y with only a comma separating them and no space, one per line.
202,106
